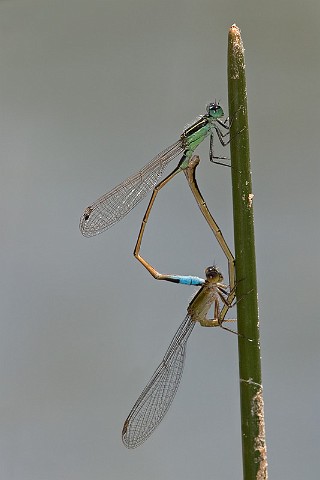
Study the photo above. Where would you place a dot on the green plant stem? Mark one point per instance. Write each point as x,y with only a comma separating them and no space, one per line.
251,392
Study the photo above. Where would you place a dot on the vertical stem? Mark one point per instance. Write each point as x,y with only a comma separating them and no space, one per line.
251,392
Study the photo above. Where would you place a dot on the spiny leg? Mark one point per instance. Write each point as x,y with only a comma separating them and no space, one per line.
227,126
220,135
213,157
217,320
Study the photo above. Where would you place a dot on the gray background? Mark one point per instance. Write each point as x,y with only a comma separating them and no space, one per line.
91,91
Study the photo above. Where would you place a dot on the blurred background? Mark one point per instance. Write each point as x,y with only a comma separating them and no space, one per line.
90,92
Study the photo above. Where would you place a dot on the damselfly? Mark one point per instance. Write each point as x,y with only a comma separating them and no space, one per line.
114,205
157,396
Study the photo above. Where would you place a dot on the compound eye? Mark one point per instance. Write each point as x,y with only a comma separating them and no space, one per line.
213,273
214,110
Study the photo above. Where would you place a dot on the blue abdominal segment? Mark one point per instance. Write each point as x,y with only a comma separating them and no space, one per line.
186,280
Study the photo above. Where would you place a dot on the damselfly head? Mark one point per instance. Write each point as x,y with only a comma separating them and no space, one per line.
213,274
214,110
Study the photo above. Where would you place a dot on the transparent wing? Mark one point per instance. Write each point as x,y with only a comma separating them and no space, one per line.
114,205
157,396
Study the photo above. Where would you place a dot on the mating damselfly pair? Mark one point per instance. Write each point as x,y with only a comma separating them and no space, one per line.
157,396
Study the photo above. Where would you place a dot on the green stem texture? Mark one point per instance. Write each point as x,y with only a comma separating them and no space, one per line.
251,391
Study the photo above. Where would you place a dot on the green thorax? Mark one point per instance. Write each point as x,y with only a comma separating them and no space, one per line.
193,136
199,130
